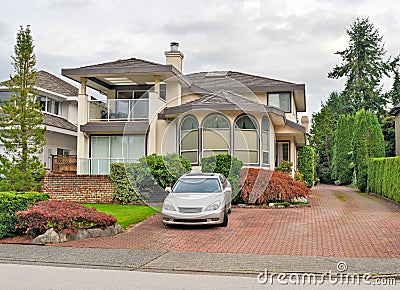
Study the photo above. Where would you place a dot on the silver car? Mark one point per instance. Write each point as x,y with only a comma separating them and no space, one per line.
198,198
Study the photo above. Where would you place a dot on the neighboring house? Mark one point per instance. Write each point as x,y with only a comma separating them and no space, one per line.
154,108
59,101
396,112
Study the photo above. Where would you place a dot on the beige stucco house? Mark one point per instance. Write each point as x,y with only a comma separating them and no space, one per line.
150,108
59,101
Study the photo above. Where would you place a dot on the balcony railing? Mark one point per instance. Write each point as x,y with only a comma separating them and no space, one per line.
119,110
100,165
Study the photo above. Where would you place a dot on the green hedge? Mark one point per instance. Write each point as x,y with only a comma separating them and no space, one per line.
384,177
227,165
135,181
12,202
306,164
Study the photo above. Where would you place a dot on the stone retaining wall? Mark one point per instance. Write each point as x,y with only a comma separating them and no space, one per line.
79,188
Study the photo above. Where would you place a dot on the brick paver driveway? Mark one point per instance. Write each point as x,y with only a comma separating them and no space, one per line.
340,223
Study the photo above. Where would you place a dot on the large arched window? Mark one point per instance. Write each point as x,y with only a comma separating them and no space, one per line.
189,139
246,139
265,141
216,135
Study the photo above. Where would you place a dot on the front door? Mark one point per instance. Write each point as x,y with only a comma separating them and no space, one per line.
282,152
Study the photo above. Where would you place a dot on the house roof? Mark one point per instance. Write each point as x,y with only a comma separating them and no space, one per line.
220,79
59,122
131,62
98,74
53,83
242,82
50,82
222,100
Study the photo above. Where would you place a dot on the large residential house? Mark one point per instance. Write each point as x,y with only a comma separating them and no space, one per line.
155,108
59,101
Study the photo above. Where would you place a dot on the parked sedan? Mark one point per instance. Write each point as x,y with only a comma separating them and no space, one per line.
198,198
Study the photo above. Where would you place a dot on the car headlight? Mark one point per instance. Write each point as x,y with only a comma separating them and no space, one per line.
168,206
213,206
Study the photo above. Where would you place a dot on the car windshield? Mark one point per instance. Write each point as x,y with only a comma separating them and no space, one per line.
197,185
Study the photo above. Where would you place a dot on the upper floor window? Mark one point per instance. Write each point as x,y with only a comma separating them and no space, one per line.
50,105
280,100
139,94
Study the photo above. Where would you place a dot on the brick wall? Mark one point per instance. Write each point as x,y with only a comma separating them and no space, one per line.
79,188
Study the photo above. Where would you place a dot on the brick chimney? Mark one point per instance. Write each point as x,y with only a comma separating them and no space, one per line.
174,56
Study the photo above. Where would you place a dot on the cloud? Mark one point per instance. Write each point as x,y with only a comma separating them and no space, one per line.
288,39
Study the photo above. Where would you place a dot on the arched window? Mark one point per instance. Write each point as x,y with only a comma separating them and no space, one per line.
265,141
246,139
216,135
189,139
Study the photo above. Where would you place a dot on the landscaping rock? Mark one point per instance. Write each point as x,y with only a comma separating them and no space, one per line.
95,233
109,231
63,237
118,228
82,234
50,236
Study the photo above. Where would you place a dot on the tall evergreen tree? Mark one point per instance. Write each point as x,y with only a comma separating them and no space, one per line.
342,168
321,138
367,143
363,65
21,129
394,93
389,134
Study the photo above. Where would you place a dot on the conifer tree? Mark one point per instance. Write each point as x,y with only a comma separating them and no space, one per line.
21,129
363,65
368,143
342,162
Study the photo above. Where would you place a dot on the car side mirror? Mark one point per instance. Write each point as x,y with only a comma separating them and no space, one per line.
168,189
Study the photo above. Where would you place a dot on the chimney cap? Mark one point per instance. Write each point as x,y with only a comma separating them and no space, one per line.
174,46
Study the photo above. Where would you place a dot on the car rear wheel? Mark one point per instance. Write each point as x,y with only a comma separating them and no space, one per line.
225,221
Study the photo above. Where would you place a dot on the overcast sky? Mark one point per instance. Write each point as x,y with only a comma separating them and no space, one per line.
282,39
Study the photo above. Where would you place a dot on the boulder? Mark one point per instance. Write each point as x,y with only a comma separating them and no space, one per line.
50,236
95,233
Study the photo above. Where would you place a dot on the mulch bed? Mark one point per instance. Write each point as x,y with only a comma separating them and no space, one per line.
17,240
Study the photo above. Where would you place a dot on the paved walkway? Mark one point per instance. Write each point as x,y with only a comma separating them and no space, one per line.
340,223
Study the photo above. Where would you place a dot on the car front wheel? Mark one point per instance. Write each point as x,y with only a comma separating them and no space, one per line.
225,221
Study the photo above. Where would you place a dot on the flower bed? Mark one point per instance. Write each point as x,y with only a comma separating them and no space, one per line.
260,186
60,215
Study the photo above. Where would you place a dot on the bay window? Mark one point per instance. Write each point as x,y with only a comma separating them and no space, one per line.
189,139
246,140
216,135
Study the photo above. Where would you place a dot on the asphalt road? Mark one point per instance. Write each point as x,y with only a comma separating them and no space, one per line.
13,276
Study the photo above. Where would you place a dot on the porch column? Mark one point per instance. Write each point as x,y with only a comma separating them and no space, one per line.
82,146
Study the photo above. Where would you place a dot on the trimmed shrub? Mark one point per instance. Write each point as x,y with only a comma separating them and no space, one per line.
384,177
368,142
60,215
134,182
260,186
306,164
123,189
227,165
342,160
10,203
285,167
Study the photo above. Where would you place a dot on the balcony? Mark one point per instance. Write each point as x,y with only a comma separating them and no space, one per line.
118,110
100,166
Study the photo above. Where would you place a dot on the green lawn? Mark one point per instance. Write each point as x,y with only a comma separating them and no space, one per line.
126,214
